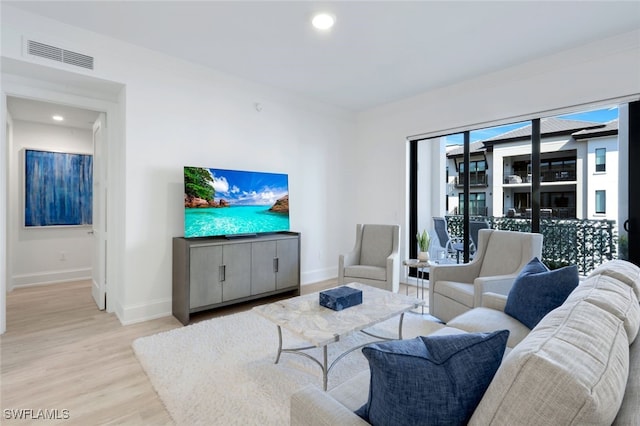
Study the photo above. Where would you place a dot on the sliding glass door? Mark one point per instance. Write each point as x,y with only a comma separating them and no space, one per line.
631,224
565,176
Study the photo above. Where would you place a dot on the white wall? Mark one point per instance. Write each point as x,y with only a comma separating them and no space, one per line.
432,157
599,71
182,114
342,171
40,255
198,119
5,135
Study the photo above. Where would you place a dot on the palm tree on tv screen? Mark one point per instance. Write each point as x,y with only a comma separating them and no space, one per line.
198,183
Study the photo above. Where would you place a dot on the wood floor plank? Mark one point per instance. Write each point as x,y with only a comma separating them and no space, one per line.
61,353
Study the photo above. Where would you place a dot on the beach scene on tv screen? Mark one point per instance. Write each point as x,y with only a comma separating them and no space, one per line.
231,202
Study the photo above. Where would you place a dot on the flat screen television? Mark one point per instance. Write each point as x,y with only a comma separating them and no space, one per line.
219,202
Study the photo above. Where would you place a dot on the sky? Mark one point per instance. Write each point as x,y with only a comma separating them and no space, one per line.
598,116
249,188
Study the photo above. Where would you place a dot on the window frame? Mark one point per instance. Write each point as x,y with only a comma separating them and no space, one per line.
601,202
473,203
633,127
603,165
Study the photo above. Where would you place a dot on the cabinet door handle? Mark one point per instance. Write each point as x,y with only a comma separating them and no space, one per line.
222,269
275,264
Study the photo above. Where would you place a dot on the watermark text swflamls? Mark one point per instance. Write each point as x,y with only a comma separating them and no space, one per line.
36,414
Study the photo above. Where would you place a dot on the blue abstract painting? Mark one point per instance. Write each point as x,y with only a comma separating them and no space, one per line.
58,188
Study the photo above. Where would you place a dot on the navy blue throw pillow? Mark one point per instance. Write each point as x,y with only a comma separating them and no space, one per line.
433,380
537,291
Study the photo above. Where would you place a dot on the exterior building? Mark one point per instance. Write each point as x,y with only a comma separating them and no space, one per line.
579,172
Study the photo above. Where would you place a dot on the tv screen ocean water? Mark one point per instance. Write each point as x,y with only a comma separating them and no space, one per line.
221,202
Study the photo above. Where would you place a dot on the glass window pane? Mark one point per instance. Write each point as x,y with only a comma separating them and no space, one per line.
593,201
601,202
567,191
601,159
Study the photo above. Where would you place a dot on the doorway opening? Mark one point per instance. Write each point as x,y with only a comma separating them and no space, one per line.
57,86
49,192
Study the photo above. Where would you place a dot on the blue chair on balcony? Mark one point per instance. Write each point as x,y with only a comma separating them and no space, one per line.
474,228
444,239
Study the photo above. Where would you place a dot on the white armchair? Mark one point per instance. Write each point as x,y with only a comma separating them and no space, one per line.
375,259
455,289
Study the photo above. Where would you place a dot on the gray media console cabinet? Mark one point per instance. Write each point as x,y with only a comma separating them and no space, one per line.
214,272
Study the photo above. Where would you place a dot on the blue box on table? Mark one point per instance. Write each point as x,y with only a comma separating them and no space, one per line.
340,298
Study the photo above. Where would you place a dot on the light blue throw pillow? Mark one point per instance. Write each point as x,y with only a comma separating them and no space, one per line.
537,291
433,380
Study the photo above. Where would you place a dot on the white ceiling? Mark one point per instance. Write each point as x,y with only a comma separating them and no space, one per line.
378,51
41,112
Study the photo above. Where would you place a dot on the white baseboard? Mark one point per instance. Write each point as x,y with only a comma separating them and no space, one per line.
51,277
318,275
154,309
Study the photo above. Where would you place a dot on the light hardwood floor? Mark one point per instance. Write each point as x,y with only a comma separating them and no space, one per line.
61,353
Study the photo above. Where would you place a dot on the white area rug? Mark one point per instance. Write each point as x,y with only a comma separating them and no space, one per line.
222,371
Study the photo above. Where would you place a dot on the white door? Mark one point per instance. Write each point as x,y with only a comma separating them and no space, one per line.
99,231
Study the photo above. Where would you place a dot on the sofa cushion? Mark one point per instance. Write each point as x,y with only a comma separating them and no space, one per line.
311,406
570,370
484,320
629,414
537,291
613,296
622,270
352,393
430,380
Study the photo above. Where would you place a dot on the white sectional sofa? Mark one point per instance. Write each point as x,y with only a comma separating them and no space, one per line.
580,365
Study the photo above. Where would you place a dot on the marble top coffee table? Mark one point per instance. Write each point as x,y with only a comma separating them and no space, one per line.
307,319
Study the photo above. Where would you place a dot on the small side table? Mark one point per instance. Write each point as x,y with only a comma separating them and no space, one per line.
421,266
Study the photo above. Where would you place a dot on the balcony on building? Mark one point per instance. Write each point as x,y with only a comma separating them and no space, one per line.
552,170
475,181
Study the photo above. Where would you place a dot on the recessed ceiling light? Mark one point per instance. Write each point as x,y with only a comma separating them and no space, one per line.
57,117
323,21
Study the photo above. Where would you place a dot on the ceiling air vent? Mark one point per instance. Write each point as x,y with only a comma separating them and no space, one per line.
58,54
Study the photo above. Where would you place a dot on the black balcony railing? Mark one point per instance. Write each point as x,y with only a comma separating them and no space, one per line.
474,181
582,242
558,175
473,211
545,176
545,212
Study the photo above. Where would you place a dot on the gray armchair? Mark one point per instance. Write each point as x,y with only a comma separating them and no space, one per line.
375,259
455,289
